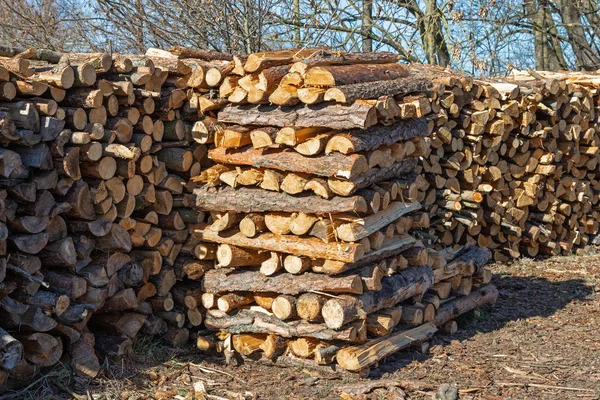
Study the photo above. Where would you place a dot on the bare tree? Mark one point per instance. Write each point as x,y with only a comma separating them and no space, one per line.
478,36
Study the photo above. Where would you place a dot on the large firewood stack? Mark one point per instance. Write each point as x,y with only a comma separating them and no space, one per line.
95,154
512,164
330,177
312,210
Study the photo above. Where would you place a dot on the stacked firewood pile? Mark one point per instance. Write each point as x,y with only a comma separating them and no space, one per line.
312,214
95,157
513,162
511,165
290,200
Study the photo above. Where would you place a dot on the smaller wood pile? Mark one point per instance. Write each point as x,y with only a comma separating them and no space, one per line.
313,209
95,155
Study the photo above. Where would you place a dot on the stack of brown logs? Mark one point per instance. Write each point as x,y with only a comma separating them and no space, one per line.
312,210
512,164
95,156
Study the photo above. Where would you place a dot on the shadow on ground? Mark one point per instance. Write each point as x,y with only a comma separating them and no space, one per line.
519,298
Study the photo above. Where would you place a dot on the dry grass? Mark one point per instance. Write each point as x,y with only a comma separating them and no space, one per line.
55,383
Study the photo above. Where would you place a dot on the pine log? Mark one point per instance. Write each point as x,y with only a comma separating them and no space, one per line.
248,200
309,305
208,55
272,265
363,227
309,247
332,165
252,224
395,288
477,255
284,307
327,57
375,89
224,221
247,321
285,95
218,281
62,76
487,294
357,115
327,76
373,176
258,61
356,358
358,140
233,256
232,301
32,54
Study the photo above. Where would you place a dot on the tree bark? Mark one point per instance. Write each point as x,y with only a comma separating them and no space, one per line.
331,165
361,228
358,140
462,304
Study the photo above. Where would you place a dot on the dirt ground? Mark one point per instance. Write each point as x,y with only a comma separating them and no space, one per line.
540,341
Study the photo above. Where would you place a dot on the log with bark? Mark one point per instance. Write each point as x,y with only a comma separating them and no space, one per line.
220,281
357,115
346,252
